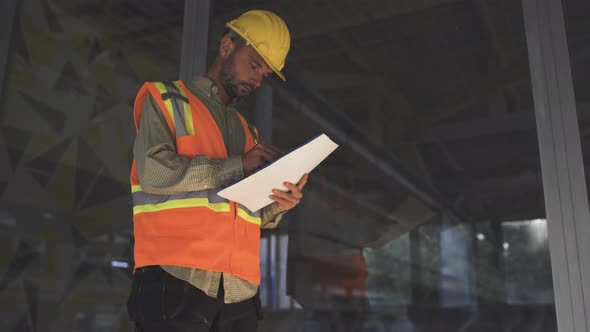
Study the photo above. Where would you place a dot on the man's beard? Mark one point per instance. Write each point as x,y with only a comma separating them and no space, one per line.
227,78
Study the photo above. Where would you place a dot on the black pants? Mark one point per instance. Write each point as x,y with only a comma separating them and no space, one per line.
161,302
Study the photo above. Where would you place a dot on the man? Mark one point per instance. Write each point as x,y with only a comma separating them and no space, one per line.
197,254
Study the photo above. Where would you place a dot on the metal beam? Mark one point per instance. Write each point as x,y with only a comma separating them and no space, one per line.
510,122
512,76
564,184
335,80
355,140
376,117
195,35
8,13
488,17
450,158
349,14
497,124
388,88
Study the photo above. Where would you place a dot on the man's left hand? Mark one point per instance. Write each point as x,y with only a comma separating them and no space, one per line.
286,200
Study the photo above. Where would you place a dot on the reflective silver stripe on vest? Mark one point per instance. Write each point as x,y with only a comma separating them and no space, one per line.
178,109
254,214
143,198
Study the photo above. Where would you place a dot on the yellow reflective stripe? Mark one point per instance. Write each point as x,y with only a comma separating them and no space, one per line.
136,188
244,215
181,203
188,114
162,88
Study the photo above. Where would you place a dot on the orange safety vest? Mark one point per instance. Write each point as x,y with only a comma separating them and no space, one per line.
195,229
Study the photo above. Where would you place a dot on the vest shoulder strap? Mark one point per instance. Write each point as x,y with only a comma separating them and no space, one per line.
251,128
177,106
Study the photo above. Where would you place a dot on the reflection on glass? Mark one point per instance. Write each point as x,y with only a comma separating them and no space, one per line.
455,283
429,217
389,284
67,133
433,109
527,263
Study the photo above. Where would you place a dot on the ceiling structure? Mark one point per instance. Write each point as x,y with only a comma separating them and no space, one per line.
440,89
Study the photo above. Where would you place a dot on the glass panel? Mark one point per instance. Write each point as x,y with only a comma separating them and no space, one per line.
66,138
526,258
578,38
389,284
429,217
404,227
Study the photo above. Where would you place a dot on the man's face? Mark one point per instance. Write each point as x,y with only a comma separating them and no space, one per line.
243,71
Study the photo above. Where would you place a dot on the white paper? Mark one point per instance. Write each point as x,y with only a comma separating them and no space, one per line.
253,191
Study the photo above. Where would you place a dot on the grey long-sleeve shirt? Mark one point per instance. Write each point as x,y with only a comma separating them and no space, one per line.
162,171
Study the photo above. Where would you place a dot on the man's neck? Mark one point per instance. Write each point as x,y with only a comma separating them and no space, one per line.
225,99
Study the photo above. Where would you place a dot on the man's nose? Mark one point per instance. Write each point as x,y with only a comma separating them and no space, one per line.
256,80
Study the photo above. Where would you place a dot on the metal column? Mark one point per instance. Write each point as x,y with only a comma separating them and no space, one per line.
566,200
195,35
263,122
263,115
8,13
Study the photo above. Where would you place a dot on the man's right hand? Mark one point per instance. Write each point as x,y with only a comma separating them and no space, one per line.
260,155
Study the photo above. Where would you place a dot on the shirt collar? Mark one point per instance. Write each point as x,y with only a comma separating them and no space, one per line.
206,86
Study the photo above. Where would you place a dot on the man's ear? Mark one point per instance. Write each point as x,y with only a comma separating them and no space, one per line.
226,46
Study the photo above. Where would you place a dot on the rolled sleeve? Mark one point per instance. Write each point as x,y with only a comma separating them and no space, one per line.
271,216
161,170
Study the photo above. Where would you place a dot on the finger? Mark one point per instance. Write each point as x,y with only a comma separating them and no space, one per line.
282,203
295,191
267,156
272,152
303,181
271,147
286,196
262,154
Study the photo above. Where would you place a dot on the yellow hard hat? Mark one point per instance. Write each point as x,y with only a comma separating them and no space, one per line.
267,33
